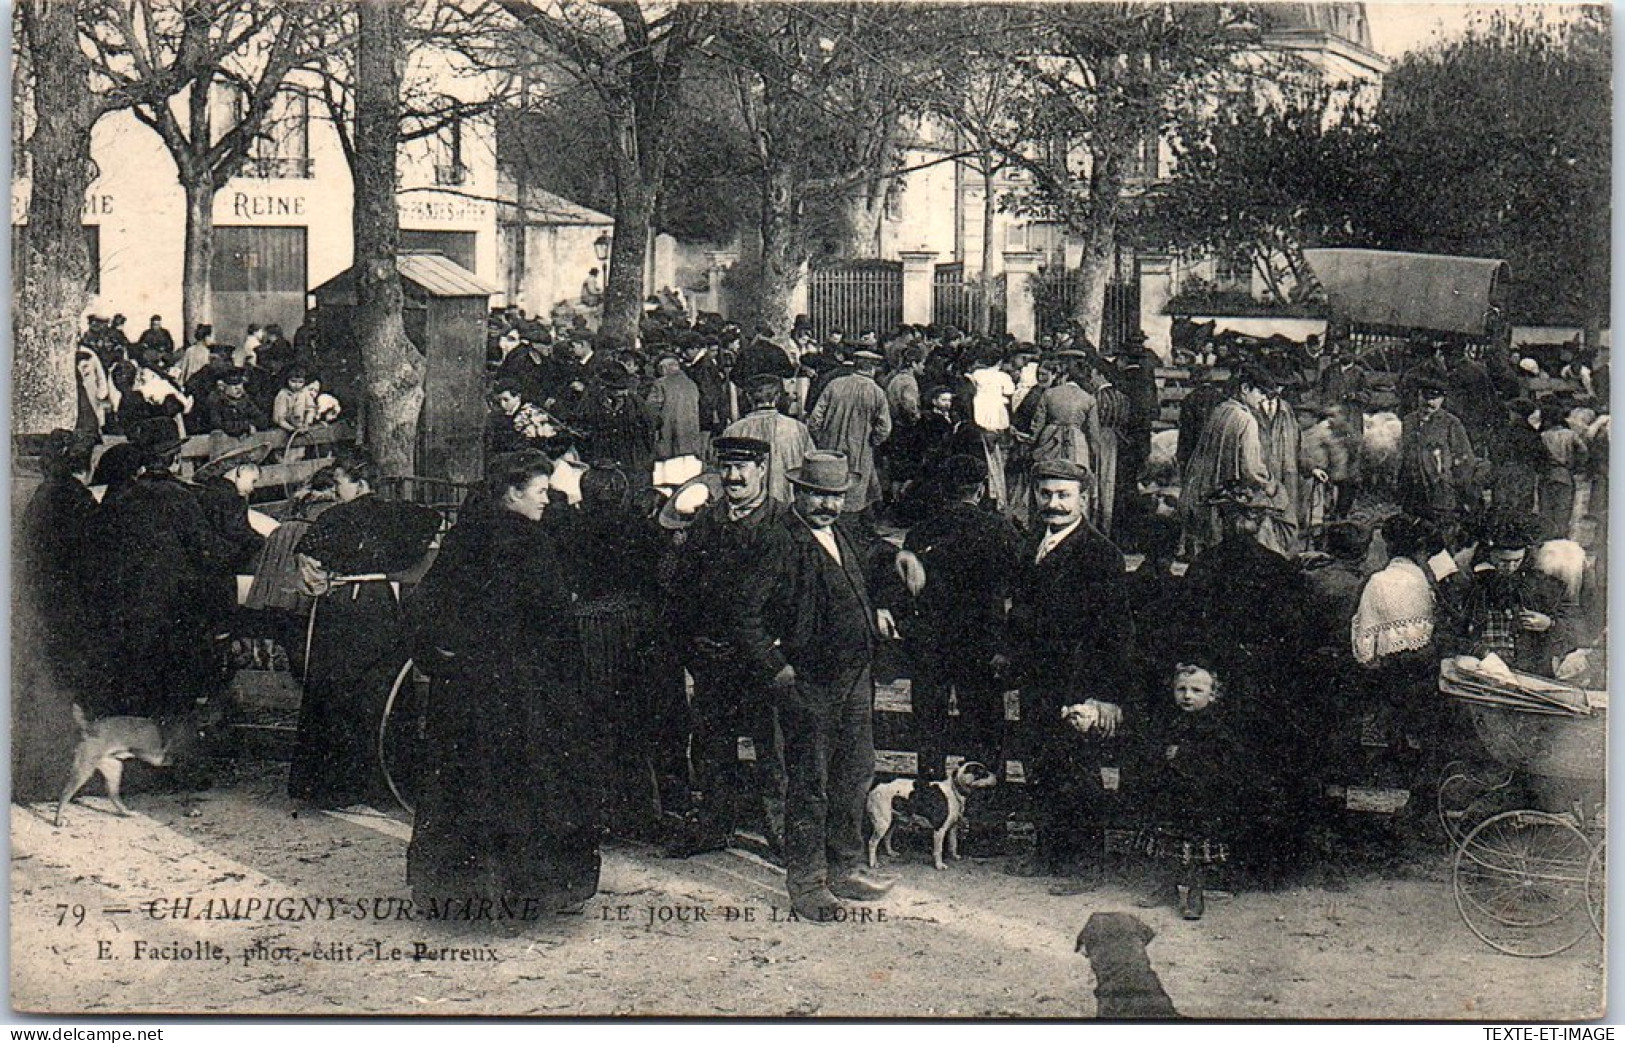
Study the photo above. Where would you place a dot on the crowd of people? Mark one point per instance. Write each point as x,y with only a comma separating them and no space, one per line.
265,383
707,539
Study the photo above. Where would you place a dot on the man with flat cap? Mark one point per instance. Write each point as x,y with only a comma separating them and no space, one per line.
1070,640
1436,458
967,556
720,587
824,626
788,439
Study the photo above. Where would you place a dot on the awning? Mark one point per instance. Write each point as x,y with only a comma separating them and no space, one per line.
1411,291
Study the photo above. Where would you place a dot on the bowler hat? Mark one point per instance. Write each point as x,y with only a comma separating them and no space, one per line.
615,377
1062,470
235,375
824,471
688,499
736,449
961,471
226,452
155,435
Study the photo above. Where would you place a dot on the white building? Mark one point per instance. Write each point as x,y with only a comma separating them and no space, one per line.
281,226
939,209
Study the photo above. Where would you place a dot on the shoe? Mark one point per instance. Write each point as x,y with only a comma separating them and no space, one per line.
861,886
1191,902
818,907
691,844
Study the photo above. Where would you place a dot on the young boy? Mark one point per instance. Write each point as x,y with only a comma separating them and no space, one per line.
1190,773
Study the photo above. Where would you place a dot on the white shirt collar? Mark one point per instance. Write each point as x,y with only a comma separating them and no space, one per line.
826,539
1054,537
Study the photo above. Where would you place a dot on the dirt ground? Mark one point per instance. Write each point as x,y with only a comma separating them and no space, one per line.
95,930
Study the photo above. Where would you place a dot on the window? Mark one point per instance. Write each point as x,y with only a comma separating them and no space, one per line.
449,168
282,147
1147,153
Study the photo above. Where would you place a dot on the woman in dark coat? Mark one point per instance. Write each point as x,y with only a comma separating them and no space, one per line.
357,639
508,809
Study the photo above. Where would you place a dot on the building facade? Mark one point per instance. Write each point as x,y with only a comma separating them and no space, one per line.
939,209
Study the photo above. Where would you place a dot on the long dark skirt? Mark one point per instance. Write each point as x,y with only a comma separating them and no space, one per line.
508,807
356,652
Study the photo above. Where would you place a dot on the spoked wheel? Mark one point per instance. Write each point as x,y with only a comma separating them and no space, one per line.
1597,889
1467,795
289,485
1520,881
400,733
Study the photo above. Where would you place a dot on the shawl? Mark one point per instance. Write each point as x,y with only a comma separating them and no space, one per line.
1395,613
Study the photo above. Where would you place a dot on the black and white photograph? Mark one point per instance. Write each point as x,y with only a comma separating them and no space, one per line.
959,511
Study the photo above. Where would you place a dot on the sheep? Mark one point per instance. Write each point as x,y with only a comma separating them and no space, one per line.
1379,450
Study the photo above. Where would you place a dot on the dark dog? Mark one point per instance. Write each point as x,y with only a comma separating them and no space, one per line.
106,744
1125,984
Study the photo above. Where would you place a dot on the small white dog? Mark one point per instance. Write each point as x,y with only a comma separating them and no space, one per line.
938,806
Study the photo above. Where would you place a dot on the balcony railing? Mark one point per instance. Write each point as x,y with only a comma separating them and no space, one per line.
278,167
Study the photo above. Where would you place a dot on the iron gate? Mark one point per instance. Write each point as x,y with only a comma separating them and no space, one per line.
854,296
954,299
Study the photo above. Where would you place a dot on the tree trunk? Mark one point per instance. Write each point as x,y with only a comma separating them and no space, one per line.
52,268
864,218
393,367
783,255
984,296
1099,242
623,284
197,304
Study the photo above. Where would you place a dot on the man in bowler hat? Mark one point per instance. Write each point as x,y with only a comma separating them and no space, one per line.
821,617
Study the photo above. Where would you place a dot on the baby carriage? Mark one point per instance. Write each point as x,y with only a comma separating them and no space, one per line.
1528,866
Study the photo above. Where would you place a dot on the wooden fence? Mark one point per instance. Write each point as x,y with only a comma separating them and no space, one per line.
854,296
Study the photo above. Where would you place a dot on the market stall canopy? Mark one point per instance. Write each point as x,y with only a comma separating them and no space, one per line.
1410,291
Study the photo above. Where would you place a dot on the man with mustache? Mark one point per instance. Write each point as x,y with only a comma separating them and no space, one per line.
820,614
1071,642
721,584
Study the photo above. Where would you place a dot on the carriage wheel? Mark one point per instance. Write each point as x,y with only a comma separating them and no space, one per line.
1597,889
1520,882
408,674
1466,796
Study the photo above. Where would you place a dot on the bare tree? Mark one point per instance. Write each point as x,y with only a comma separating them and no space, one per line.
822,90
393,366
245,49
63,96
1097,83
631,55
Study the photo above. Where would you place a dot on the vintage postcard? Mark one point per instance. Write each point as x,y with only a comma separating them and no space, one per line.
578,509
